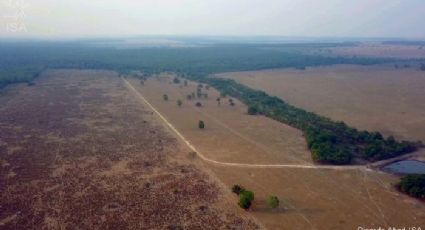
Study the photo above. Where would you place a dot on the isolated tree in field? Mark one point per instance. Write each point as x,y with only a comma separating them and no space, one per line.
179,102
231,103
198,104
237,189
165,97
201,124
273,201
245,199
199,92
218,100
176,80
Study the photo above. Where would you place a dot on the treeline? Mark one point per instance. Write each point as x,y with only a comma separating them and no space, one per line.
19,75
18,60
329,141
413,185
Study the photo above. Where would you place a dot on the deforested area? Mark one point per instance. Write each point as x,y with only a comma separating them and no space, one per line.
79,151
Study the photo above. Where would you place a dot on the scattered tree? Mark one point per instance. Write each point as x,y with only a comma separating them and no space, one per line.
185,83
273,201
201,124
245,199
231,103
218,100
198,104
176,80
189,97
199,92
179,102
165,97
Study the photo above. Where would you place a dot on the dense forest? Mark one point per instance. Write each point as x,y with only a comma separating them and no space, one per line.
330,142
21,62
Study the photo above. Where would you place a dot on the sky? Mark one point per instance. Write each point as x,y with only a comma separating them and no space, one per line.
304,18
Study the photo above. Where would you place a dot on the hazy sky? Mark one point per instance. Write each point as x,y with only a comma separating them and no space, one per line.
346,18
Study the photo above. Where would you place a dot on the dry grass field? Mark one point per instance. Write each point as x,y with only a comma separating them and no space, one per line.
374,98
79,151
376,50
311,198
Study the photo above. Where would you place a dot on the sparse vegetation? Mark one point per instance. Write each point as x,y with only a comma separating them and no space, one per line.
165,97
218,100
237,189
198,104
179,103
273,201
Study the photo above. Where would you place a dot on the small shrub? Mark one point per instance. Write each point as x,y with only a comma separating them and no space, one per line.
201,125
273,201
198,104
179,102
165,97
176,80
237,189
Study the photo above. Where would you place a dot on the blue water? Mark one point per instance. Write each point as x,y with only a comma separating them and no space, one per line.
407,167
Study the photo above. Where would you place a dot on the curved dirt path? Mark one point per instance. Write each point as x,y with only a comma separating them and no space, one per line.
243,165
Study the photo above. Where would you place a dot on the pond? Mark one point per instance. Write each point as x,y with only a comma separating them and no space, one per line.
407,167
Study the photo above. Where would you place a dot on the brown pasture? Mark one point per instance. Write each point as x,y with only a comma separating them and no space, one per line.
310,198
374,98
79,151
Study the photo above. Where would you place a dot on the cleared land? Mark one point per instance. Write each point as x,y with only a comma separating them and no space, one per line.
375,50
78,150
311,198
374,98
